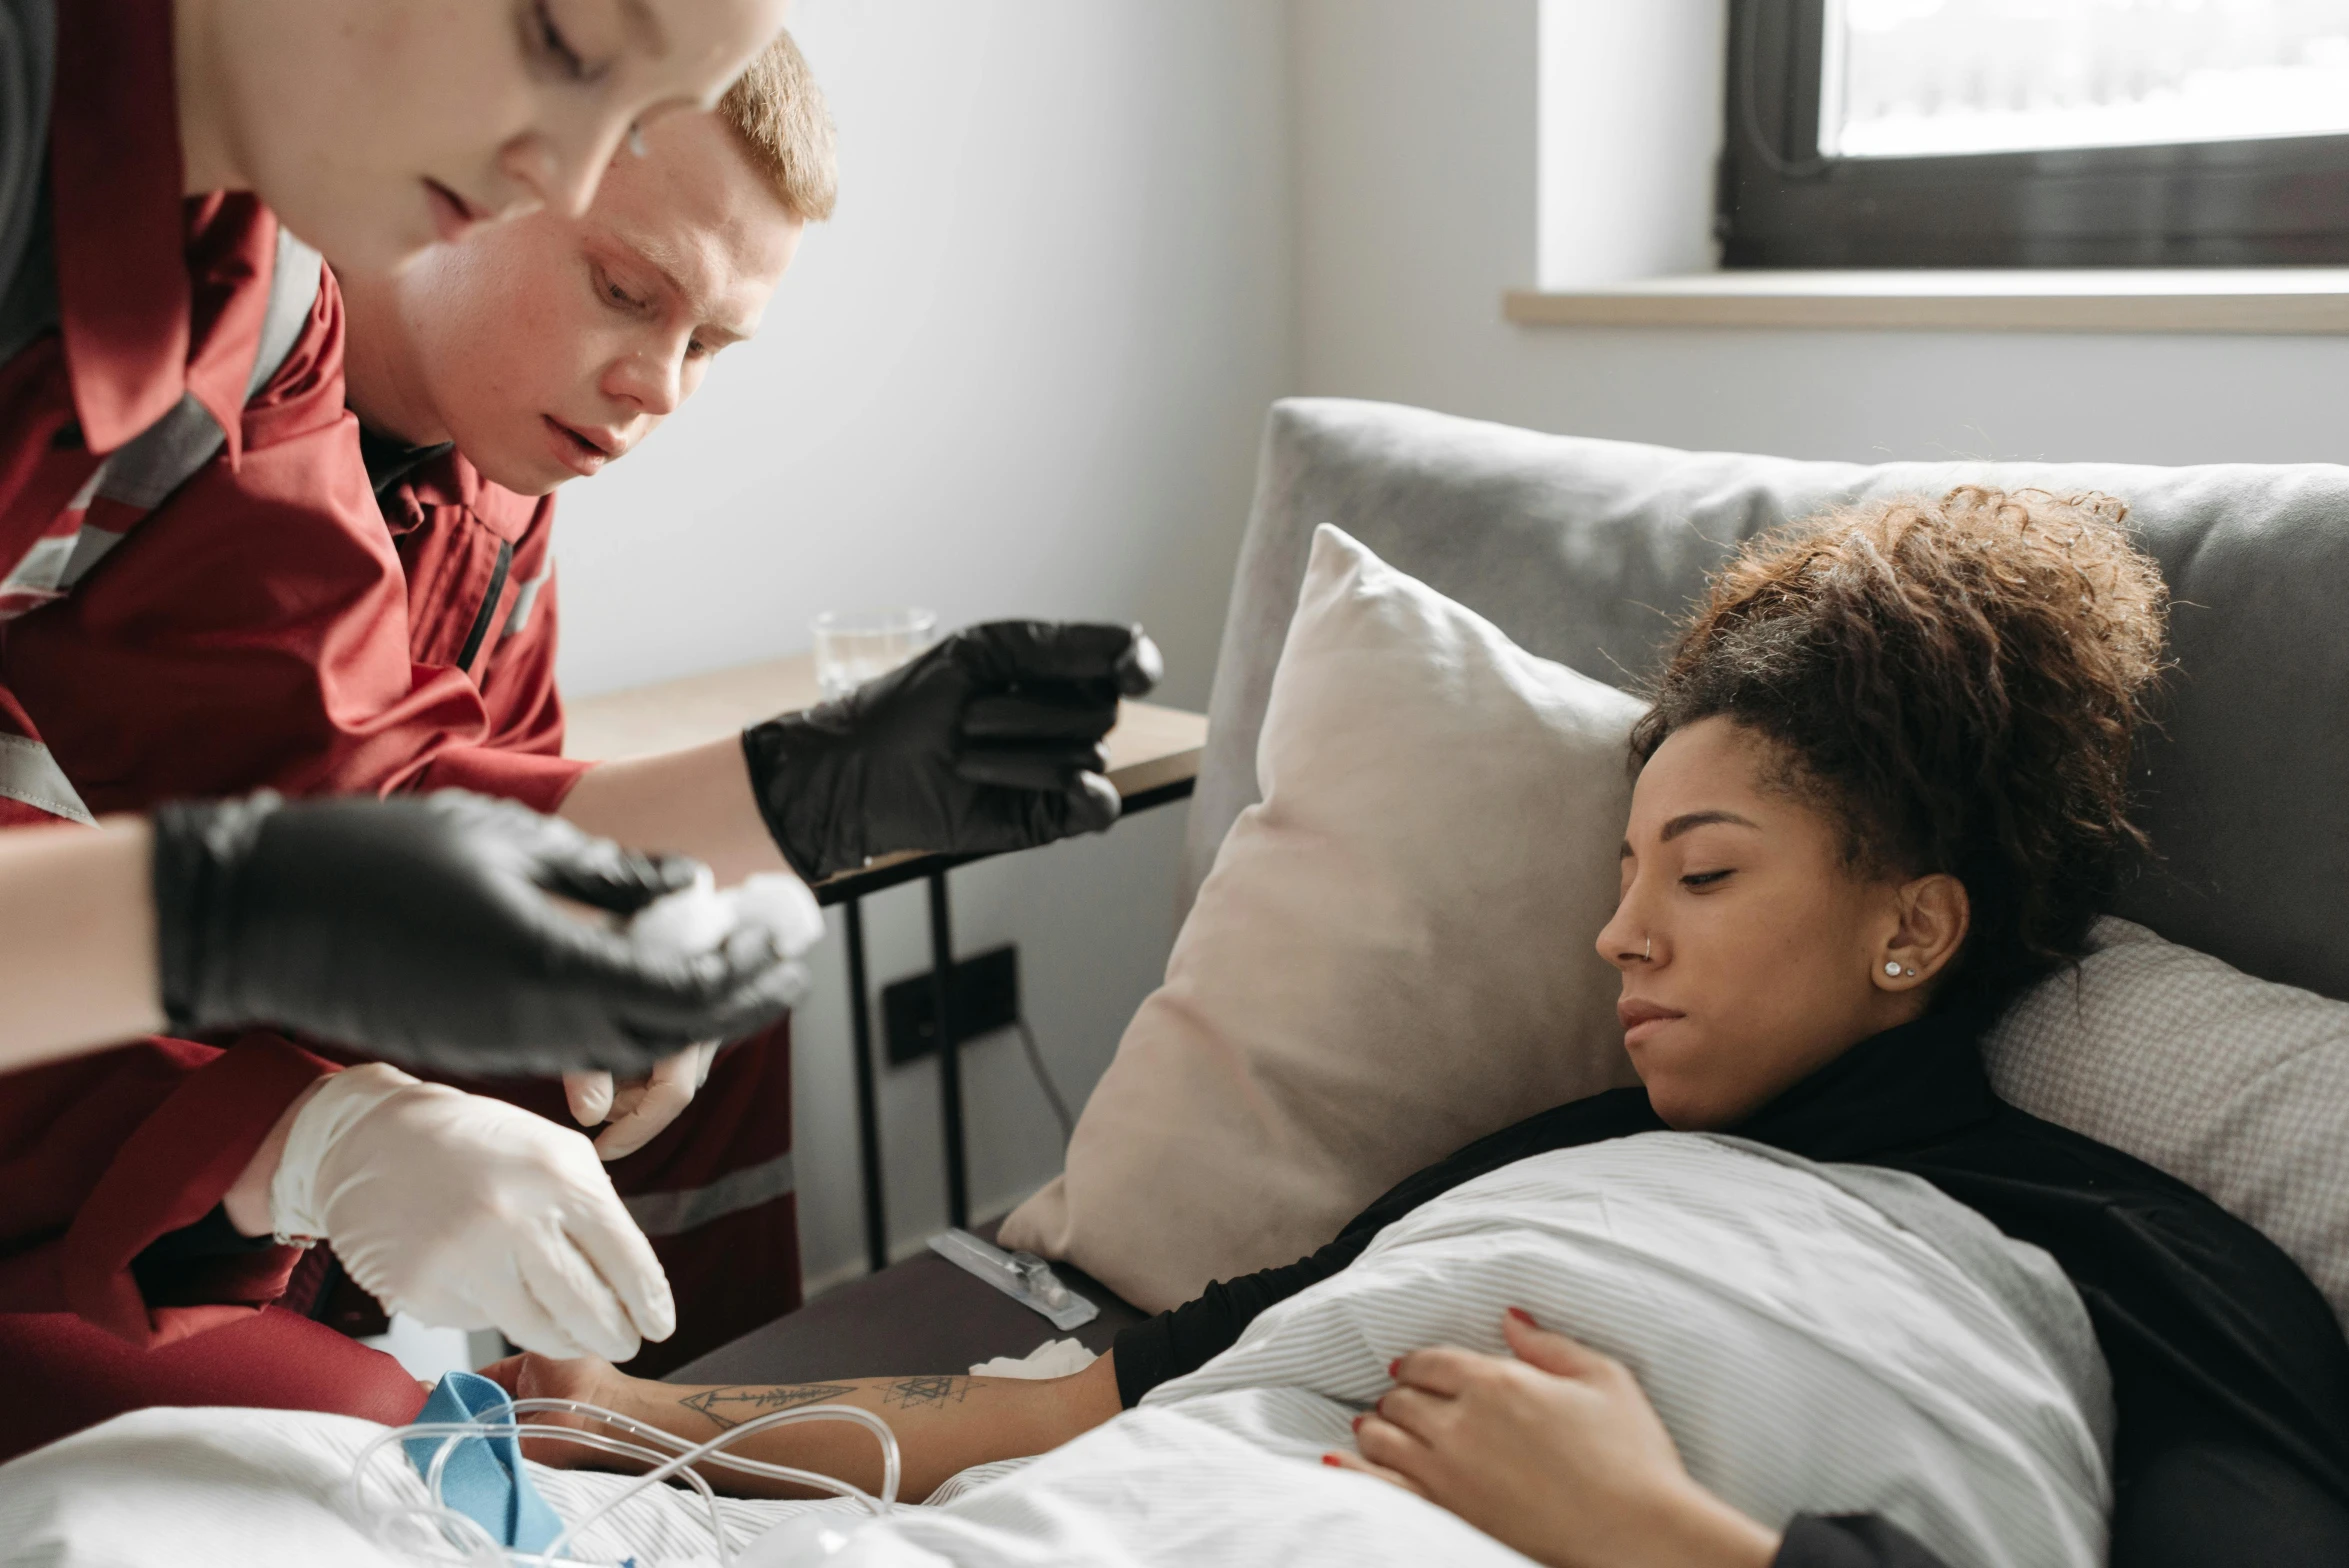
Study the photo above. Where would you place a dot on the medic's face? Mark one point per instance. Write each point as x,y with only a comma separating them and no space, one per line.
374,127
549,346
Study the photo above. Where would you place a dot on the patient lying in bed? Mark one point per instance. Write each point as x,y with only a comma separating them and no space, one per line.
1831,1301
1883,786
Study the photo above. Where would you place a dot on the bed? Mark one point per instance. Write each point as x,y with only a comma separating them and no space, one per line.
1580,550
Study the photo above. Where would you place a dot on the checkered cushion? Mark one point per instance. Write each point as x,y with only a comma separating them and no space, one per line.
2235,1085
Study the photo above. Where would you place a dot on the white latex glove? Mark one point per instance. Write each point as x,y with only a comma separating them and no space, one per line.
465,1212
640,1108
687,923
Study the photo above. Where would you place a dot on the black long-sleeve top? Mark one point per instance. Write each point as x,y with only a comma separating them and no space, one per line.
2230,1373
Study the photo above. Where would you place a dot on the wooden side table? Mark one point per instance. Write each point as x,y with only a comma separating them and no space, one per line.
1153,759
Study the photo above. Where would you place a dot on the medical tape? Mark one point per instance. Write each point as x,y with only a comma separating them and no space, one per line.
335,1105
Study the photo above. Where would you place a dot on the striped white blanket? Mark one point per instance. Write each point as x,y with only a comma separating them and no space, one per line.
1818,1339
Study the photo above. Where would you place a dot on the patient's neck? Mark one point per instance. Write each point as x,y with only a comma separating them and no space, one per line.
383,381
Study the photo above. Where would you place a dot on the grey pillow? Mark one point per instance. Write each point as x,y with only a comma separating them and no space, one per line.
1582,550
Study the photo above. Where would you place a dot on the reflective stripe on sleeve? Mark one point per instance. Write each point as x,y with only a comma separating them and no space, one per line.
43,566
668,1213
167,453
163,456
41,574
149,467
28,773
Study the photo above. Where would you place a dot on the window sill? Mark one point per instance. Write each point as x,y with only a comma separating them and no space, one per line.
2259,300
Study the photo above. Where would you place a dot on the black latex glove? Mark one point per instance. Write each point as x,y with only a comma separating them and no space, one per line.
420,928
989,741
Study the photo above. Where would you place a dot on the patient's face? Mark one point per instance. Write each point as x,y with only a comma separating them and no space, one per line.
1764,944
548,346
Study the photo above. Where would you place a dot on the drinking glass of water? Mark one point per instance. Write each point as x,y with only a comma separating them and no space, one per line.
853,646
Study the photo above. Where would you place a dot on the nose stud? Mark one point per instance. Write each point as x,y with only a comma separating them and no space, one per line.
636,140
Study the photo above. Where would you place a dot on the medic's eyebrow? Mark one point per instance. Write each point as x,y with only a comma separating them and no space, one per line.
1689,820
646,27
719,330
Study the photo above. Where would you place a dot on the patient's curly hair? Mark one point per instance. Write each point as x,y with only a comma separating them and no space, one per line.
1959,682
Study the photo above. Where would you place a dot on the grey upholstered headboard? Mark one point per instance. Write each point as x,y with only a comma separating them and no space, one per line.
1581,550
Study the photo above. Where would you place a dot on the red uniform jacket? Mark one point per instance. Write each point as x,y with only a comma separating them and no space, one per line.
269,624
258,634
235,643
473,565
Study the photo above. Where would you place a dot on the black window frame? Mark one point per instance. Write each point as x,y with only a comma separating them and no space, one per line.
2267,202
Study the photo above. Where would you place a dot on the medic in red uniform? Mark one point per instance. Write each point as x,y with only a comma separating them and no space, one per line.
154,302
257,629
145,339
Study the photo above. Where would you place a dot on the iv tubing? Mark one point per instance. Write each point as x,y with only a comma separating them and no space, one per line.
679,1458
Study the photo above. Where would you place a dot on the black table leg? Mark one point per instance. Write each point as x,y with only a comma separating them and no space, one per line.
958,1200
868,1113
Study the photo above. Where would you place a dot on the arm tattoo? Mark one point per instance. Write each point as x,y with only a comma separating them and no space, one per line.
733,1405
925,1392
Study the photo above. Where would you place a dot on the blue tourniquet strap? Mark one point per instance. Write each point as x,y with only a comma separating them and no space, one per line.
484,1478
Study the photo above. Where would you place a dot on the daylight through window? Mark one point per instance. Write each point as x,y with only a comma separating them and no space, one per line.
1936,78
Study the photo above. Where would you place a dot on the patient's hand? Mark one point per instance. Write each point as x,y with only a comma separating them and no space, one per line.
1556,1453
586,1379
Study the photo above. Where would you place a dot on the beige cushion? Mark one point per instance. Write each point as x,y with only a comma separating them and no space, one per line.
1391,956
2237,1086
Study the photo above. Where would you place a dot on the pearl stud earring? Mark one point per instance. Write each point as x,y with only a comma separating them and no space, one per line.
1891,968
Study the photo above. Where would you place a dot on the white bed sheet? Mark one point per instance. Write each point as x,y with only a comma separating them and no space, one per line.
1817,1339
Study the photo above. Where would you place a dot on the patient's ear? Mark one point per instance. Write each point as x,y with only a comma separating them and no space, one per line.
1932,916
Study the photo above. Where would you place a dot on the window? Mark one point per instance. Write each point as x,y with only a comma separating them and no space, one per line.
2036,133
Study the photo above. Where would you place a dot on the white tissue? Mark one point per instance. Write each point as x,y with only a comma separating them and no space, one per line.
700,917
1053,1358
786,906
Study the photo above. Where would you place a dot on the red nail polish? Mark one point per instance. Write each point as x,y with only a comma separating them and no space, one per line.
1358,1423
1398,1361
1522,1316
1331,1460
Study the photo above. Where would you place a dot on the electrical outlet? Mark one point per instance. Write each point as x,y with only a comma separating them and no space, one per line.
986,998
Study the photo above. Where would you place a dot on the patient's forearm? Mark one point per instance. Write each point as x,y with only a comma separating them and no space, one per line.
694,802
942,1424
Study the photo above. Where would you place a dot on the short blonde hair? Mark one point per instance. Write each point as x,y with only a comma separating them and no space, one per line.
779,115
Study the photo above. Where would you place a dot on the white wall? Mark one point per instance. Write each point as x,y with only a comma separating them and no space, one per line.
1629,126
1022,372
1415,126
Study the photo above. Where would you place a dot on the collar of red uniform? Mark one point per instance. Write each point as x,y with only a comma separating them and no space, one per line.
125,297
446,480
449,480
